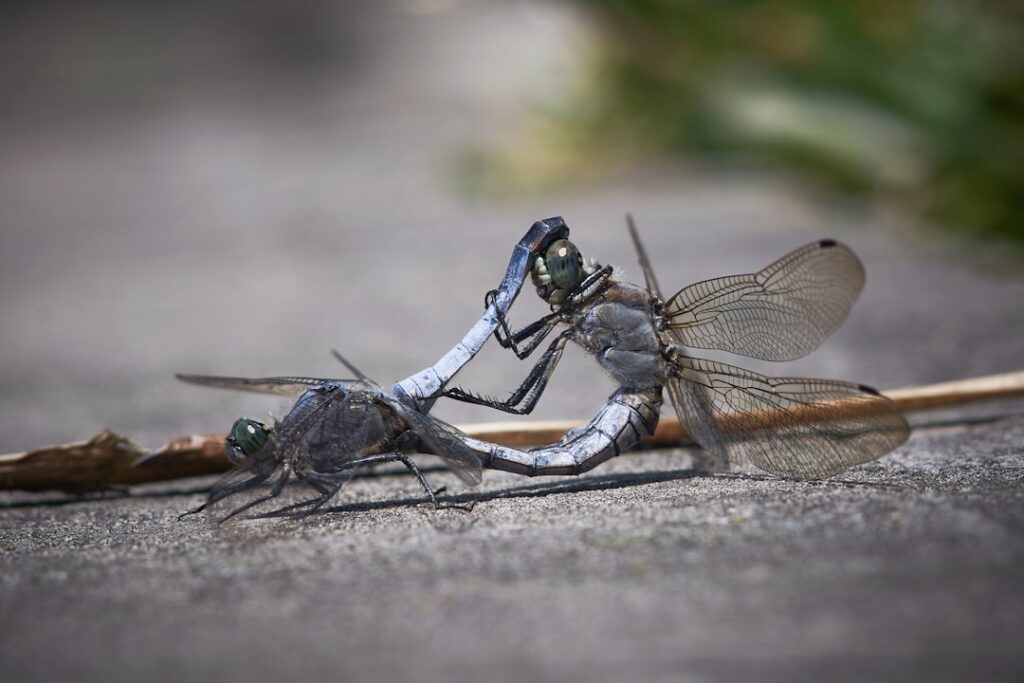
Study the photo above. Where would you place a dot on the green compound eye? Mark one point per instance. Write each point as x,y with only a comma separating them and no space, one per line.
248,436
565,264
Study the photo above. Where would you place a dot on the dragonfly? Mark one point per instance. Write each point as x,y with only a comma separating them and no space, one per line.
789,426
334,428
338,426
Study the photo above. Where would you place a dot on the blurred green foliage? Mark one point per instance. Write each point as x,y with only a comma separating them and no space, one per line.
919,101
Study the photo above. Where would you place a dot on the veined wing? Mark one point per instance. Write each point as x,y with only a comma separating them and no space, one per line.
339,427
793,427
303,443
281,386
444,441
780,313
641,253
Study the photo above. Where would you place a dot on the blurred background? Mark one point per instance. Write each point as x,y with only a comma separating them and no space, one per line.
915,104
236,187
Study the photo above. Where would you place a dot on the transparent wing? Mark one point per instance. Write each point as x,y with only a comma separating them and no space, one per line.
345,427
250,475
780,313
281,386
801,428
324,432
641,253
444,441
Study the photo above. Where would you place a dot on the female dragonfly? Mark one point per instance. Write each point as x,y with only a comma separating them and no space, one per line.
792,427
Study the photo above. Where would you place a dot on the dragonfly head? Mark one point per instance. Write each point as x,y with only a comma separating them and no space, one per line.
247,437
560,270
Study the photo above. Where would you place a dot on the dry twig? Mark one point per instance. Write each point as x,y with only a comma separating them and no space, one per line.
107,459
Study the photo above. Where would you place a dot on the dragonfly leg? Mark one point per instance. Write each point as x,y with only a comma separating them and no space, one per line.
327,491
287,510
412,467
525,397
275,491
219,494
407,461
533,334
591,285
327,485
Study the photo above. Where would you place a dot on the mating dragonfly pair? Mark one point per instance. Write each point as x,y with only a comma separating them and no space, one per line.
792,427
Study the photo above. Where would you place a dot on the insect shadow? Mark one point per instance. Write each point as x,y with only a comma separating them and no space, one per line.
605,482
466,501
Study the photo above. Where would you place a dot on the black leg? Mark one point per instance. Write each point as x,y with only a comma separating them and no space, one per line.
593,283
219,494
535,332
426,487
327,490
275,491
529,392
407,461
329,486
326,485
191,512
287,510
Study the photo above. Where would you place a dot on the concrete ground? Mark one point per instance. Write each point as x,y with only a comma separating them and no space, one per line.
224,227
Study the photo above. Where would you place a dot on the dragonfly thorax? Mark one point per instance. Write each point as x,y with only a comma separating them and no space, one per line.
617,328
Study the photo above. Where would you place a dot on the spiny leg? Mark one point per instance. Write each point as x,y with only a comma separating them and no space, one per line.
407,461
288,509
538,330
219,494
433,494
327,491
328,487
593,283
275,491
529,392
534,333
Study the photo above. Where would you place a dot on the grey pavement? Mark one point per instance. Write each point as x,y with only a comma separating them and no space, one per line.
228,228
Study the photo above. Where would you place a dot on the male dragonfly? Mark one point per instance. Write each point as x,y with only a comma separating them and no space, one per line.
792,427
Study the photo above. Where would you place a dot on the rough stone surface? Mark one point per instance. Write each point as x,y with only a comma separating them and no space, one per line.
246,232
638,571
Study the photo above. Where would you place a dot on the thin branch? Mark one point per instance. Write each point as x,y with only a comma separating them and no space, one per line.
108,460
